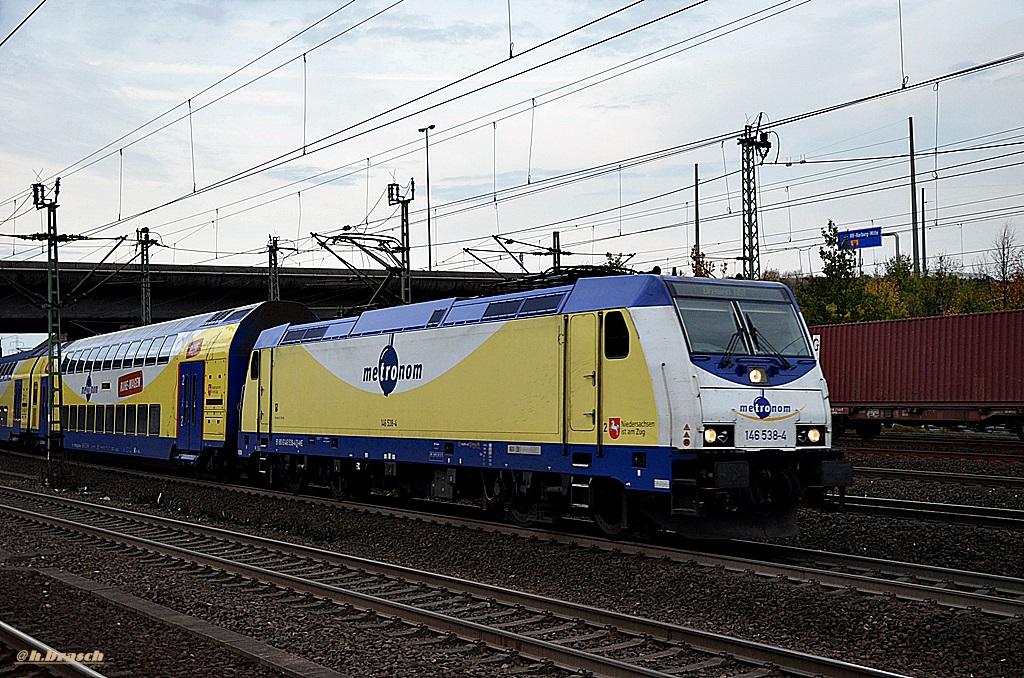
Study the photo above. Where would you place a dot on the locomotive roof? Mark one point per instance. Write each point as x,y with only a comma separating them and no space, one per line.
586,294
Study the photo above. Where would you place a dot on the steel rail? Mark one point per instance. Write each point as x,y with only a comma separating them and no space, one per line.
982,516
742,650
764,565
990,440
937,454
939,477
941,575
15,639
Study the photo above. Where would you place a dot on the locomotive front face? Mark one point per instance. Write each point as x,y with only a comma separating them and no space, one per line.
759,382
762,440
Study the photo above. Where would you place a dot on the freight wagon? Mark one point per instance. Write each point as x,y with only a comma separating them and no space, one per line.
958,370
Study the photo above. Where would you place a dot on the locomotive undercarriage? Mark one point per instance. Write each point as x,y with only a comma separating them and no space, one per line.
523,497
725,495
750,494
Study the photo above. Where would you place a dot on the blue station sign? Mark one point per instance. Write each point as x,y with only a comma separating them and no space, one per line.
864,237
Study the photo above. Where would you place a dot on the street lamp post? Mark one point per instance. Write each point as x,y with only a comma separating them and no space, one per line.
426,132
897,237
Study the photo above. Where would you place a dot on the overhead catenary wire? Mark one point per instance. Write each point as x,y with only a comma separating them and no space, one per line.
604,76
726,174
75,166
22,23
331,140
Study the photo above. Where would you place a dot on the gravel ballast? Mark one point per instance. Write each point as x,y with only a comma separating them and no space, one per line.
913,638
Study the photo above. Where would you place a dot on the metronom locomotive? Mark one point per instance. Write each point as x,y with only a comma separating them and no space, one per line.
692,405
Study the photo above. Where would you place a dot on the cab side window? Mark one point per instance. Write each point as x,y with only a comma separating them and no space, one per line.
616,336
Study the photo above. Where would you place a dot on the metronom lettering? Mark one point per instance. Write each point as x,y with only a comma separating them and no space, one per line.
393,372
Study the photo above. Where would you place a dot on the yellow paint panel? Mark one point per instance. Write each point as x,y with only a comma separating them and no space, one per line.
627,395
511,384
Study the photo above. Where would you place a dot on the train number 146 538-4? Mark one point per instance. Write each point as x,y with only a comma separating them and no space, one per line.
762,434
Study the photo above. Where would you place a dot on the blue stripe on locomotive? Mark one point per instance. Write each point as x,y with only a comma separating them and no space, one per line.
483,455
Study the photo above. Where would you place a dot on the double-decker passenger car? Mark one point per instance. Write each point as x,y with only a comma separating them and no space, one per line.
23,385
167,391
692,403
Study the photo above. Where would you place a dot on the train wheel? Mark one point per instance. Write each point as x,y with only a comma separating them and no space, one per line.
521,510
339,487
610,508
274,476
295,480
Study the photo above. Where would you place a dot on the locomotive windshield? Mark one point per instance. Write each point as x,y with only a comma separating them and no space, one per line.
738,320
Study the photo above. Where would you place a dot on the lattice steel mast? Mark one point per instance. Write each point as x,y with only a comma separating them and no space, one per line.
755,147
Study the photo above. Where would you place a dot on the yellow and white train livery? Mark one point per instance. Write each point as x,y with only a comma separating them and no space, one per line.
696,405
168,391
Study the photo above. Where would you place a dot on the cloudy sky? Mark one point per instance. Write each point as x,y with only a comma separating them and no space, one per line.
218,124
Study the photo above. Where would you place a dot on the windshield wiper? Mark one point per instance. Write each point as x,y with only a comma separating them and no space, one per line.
761,340
736,338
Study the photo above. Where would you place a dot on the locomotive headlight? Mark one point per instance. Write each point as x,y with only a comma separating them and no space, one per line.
718,435
757,376
810,435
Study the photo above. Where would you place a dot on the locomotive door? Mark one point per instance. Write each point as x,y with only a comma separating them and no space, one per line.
191,379
264,424
16,419
583,375
44,406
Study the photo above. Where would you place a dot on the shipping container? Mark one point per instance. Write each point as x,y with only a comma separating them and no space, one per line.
947,370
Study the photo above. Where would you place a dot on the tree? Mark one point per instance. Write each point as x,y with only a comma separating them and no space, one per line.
945,291
839,296
1006,268
883,300
617,262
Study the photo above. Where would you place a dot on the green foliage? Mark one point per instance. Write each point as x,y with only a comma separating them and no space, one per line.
839,296
844,295
618,261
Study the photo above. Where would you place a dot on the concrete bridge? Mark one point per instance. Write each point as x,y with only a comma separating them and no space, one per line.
178,291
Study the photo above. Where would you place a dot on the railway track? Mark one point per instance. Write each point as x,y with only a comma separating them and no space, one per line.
24,645
1012,482
979,516
936,454
567,634
943,440
940,446
991,594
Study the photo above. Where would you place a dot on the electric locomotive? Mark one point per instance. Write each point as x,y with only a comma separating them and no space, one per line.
694,405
